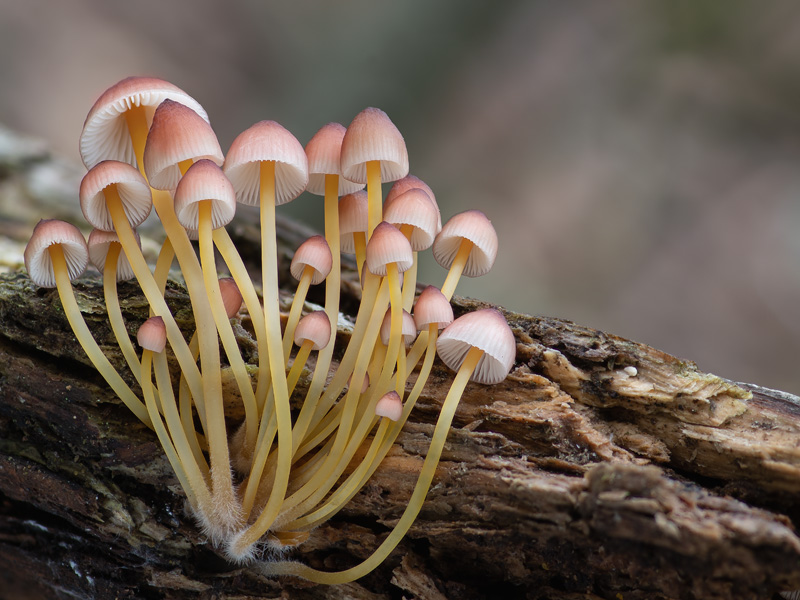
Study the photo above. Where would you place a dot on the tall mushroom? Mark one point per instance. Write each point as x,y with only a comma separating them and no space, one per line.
373,151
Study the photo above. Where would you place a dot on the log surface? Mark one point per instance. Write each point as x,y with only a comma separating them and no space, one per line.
601,468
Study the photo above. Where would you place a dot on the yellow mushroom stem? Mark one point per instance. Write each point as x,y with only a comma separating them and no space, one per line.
332,292
297,308
299,362
374,195
230,255
163,435
136,119
163,264
86,340
269,252
410,276
261,456
360,245
115,311
456,268
195,472
223,323
187,416
417,497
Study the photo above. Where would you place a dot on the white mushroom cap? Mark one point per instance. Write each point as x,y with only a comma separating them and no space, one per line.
410,182
414,207
373,136
37,258
314,253
387,245
408,328
474,226
266,141
390,405
177,134
324,152
204,180
231,296
152,335
99,242
432,307
105,132
353,218
487,330
314,327
132,188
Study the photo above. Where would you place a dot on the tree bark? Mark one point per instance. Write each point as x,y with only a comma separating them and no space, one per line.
601,468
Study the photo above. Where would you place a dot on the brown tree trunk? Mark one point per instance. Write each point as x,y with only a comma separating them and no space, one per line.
601,468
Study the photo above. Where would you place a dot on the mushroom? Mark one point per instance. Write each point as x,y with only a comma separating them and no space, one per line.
313,332
389,253
117,124
205,201
55,255
418,218
268,166
177,137
373,151
466,244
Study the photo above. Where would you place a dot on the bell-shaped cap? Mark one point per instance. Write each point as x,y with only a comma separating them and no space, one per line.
414,207
152,335
410,182
231,296
314,253
474,226
99,243
432,308
133,190
314,327
204,181
487,330
266,141
177,134
387,245
37,257
407,326
390,405
373,136
105,133
324,152
353,218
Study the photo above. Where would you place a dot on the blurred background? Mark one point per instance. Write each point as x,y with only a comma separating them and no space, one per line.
638,159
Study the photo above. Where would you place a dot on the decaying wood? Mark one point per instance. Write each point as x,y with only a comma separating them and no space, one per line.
601,468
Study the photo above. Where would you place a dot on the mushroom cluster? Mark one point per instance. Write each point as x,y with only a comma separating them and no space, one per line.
280,473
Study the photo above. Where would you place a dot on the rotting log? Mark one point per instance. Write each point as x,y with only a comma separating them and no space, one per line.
601,468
